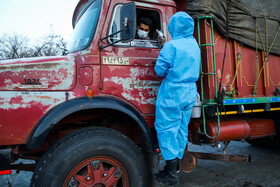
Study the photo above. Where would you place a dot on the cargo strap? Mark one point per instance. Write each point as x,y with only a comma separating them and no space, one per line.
265,48
232,91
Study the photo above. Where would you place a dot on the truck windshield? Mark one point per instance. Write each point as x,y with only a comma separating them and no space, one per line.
85,28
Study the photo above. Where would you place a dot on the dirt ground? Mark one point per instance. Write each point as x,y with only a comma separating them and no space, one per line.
263,171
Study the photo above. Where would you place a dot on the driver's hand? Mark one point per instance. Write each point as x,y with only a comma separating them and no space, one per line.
161,40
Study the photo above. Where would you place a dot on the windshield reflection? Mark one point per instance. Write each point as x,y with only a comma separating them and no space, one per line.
85,28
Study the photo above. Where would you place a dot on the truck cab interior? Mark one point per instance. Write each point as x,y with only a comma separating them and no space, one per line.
115,26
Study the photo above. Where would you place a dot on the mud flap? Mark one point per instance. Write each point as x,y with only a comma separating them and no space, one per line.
5,165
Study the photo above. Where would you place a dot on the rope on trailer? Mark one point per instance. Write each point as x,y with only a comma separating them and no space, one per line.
231,89
221,93
257,56
267,49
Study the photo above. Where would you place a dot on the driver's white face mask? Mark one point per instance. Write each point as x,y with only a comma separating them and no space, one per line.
142,34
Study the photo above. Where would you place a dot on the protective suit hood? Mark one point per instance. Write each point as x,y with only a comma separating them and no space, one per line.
181,25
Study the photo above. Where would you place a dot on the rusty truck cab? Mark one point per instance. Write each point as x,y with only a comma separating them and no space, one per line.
124,68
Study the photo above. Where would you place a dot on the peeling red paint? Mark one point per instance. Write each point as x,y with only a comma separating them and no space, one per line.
16,124
52,74
16,100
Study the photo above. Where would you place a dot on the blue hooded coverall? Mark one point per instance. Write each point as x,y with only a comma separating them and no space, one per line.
179,63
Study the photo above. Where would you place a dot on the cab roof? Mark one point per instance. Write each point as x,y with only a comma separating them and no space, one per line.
83,4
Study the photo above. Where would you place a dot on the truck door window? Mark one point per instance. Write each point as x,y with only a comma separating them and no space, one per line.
116,26
136,42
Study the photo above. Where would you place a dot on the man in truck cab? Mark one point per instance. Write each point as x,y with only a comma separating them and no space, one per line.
143,29
179,63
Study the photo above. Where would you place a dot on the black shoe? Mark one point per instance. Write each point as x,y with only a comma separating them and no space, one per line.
169,174
178,168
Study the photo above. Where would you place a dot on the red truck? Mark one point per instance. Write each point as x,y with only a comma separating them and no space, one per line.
87,117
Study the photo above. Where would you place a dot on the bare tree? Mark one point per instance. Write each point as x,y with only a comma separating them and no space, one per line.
19,46
13,46
50,45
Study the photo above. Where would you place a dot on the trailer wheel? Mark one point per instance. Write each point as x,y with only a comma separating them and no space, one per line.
92,157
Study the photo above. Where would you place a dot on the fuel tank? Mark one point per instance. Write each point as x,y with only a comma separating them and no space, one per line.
261,128
230,130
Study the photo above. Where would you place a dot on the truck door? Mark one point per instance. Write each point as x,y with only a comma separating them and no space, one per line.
127,68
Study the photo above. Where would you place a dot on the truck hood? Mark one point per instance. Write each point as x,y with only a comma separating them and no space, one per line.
38,74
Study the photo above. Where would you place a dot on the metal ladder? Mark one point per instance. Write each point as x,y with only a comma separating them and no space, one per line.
204,103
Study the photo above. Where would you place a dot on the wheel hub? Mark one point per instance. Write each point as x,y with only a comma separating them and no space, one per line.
105,172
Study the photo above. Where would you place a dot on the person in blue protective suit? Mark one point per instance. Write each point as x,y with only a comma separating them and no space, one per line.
179,63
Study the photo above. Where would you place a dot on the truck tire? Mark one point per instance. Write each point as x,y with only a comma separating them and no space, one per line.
92,157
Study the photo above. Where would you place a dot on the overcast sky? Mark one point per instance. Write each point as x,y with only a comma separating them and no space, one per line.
34,18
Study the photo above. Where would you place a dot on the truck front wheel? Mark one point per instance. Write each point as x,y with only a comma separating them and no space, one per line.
92,157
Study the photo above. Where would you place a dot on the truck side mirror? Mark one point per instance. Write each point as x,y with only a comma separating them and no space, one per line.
128,20
127,25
